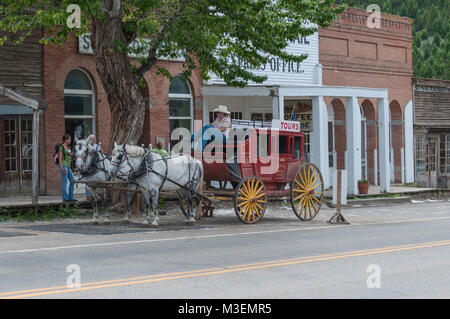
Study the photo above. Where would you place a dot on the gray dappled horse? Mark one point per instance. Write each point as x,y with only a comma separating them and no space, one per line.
94,167
154,173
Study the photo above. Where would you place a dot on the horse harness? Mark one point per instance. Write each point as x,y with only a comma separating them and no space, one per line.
147,166
93,167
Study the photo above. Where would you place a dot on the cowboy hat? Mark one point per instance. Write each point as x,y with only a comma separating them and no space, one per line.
222,109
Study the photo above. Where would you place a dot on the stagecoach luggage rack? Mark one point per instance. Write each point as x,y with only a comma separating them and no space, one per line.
248,123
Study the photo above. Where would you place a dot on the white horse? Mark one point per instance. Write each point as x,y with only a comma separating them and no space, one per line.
154,173
94,167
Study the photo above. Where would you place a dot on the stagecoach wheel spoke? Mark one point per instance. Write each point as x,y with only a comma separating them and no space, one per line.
250,200
307,191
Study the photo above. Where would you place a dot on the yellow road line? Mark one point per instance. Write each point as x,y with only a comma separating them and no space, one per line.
215,271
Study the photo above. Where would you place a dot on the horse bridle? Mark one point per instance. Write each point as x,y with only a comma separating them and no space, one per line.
118,163
83,157
93,167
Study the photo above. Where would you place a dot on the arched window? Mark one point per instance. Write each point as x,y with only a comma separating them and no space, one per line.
79,104
180,106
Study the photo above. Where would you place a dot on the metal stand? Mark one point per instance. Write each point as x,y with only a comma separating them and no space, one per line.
338,218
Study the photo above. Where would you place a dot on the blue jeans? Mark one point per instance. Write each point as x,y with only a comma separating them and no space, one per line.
88,194
69,177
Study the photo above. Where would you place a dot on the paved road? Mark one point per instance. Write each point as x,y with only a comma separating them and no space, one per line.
400,251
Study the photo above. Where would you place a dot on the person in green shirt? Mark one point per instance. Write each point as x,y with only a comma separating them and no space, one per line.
160,149
65,161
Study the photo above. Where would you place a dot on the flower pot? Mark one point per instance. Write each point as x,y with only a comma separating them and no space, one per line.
363,188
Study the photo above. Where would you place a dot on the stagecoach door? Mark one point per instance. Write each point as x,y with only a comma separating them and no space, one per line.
16,146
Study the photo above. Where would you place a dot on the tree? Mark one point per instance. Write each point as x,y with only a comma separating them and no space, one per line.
211,34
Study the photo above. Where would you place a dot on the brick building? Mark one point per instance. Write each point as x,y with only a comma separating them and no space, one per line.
432,132
353,97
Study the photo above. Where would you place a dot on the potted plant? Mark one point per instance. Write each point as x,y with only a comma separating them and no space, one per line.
363,186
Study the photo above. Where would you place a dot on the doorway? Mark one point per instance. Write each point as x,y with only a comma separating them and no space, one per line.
16,145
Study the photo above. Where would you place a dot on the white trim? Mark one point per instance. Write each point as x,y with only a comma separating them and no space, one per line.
295,91
78,92
79,116
409,142
353,137
383,144
189,97
233,91
180,96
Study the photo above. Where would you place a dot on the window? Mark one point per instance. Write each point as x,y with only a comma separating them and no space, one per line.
266,117
10,145
283,146
79,104
307,144
445,155
180,106
233,116
420,154
297,147
26,133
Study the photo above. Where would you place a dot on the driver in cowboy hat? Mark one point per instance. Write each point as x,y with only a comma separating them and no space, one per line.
222,121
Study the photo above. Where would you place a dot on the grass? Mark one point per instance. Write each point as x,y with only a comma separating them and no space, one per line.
46,214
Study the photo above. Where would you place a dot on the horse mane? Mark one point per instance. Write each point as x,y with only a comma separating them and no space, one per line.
132,150
91,148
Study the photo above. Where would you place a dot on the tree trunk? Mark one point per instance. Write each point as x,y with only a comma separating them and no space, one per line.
120,83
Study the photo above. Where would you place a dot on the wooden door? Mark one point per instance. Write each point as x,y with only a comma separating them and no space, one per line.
432,160
16,145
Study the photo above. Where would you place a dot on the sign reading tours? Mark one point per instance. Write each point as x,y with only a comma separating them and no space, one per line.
283,125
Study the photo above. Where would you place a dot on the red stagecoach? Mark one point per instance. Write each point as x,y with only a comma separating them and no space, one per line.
263,160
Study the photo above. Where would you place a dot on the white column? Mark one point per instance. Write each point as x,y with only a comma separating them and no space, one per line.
402,165
35,159
409,143
205,111
383,144
281,106
375,167
319,137
275,107
353,125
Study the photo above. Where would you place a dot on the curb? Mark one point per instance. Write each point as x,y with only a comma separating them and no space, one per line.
373,201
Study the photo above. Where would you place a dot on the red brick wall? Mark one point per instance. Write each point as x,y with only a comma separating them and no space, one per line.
353,54
59,61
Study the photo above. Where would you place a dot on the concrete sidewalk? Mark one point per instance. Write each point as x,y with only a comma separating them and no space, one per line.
24,202
395,189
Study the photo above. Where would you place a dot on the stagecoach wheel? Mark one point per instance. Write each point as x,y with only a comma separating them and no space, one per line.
250,200
307,190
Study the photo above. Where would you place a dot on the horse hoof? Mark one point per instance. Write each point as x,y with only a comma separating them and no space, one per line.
190,221
126,220
106,221
155,223
95,222
146,222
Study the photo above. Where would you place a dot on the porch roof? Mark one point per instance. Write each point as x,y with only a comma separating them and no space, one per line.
295,91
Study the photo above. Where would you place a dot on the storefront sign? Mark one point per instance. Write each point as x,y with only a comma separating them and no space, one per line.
305,120
283,125
85,47
281,72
